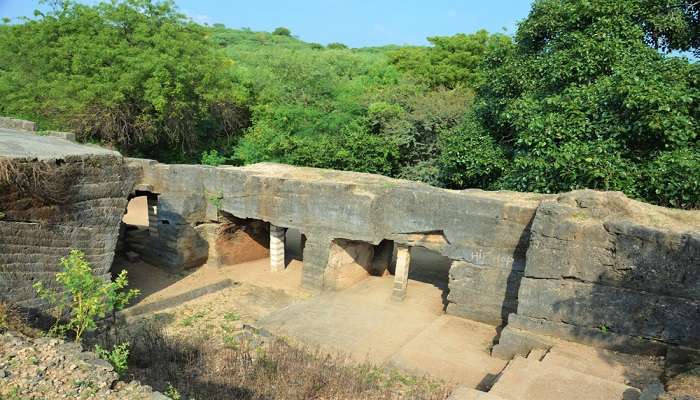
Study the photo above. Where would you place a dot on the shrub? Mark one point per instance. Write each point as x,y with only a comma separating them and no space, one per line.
673,178
469,157
213,158
337,46
118,357
172,392
82,297
135,74
282,31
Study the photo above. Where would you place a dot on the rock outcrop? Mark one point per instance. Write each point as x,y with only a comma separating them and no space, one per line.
55,196
586,266
610,272
486,232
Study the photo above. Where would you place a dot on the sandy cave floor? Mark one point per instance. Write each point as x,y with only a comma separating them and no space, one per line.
361,321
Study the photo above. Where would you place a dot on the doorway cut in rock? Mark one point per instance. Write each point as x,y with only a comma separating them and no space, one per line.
238,240
139,225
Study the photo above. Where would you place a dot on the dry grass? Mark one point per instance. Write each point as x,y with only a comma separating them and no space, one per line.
12,319
201,369
46,182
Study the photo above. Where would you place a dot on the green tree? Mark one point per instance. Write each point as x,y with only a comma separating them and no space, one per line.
282,31
586,98
133,73
451,61
337,46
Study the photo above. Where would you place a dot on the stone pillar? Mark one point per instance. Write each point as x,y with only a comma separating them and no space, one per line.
152,203
277,248
403,260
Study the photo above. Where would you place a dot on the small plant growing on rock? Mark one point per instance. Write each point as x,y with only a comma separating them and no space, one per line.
82,298
118,357
172,392
215,199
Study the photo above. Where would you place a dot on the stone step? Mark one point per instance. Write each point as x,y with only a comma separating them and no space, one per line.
467,393
525,379
137,247
137,234
537,354
136,239
633,370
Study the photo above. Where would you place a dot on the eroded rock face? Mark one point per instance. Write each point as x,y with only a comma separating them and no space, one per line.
587,266
61,196
612,272
241,241
488,231
349,262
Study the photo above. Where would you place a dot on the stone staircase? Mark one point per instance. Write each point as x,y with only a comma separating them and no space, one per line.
136,240
571,372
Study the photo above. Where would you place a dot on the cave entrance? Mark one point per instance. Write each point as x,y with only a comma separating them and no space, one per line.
137,212
139,224
239,240
294,243
422,272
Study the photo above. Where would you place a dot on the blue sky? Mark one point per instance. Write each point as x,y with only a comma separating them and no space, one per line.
353,22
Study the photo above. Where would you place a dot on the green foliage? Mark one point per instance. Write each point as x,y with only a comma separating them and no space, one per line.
470,158
282,31
118,357
336,46
215,199
586,95
452,61
172,392
672,178
585,99
213,158
132,73
81,298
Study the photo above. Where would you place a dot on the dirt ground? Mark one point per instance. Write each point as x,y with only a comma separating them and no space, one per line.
362,321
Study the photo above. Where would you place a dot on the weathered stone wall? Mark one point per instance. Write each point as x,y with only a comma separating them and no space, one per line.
574,266
17,124
608,271
487,232
60,196
592,267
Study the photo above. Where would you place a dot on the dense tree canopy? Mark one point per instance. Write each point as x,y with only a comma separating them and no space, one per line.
135,74
590,93
451,61
585,98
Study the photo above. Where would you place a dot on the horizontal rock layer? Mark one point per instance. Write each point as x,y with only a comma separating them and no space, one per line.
611,272
488,231
593,267
52,203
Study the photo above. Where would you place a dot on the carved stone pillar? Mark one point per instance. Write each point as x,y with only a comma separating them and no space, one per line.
277,248
403,260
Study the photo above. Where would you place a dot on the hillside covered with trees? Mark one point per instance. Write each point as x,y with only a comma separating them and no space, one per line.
587,94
